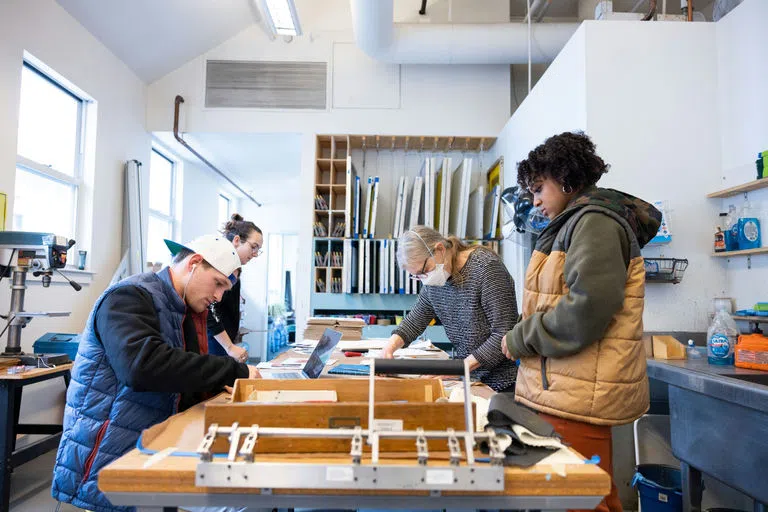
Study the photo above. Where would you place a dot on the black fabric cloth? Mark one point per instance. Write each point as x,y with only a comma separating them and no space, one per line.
224,316
503,412
129,328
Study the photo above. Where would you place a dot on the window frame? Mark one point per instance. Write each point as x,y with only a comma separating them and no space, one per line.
75,181
174,174
228,199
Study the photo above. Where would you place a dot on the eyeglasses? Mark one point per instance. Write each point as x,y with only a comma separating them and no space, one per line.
255,248
421,275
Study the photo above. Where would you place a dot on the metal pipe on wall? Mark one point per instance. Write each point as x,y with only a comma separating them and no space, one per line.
177,102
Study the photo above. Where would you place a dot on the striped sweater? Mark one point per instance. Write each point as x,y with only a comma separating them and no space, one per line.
475,314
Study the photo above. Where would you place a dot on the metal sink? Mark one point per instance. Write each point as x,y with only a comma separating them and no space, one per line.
756,378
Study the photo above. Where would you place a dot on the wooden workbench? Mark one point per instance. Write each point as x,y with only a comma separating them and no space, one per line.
146,480
11,386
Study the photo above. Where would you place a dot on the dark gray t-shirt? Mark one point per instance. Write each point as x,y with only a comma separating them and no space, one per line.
476,315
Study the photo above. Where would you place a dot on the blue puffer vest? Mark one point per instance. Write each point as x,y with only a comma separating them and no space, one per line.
103,417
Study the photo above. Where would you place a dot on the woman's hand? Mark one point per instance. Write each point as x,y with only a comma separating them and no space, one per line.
395,342
237,353
253,372
504,348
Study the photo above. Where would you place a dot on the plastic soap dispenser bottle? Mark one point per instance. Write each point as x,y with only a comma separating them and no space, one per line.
721,339
731,229
749,228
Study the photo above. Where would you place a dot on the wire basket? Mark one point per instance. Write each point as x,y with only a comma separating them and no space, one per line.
665,270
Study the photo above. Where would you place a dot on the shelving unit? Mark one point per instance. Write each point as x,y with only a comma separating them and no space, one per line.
740,189
334,154
746,252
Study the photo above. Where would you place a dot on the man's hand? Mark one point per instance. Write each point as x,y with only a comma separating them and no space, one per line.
395,342
504,348
253,372
237,353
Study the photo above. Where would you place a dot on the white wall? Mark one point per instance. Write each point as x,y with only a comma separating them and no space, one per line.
556,104
422,100
45,30
743,109
662,146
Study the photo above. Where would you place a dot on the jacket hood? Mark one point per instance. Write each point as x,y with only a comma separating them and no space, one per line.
642,217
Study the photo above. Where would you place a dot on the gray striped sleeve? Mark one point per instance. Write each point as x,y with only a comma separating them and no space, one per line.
417,319
497,300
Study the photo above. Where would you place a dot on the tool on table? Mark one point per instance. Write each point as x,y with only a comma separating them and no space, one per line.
242,467
42,254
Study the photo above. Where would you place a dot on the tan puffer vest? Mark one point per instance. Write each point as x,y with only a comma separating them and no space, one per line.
606,383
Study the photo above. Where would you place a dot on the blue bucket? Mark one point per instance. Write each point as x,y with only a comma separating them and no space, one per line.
659,487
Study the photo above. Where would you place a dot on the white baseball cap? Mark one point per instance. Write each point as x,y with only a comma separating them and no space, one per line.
215,249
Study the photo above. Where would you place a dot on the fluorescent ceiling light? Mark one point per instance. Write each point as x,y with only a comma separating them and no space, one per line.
282,17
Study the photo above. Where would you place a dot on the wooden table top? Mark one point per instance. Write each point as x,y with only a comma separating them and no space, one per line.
35,372
137,472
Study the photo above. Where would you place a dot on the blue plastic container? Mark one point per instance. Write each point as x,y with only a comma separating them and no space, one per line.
659,487
57,343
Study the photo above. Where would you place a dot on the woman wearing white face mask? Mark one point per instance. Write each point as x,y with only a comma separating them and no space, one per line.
470,291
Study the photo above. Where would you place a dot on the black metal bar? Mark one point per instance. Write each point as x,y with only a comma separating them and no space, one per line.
420,367
423,9
178,101
34,450
16,411
7,437
38,428
692,488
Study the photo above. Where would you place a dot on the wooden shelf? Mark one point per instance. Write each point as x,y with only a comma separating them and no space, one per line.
746,252
757,319
740,189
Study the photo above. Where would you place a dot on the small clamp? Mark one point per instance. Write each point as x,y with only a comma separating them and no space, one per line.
422,453
357,446
454,448
249,445
494,449
204,450
234,442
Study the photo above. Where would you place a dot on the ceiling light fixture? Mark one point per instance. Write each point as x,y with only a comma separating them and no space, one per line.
281,17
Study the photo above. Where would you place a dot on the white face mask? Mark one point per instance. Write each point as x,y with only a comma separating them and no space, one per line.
437,277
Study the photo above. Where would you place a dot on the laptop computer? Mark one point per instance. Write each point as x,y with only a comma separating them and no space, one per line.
315,363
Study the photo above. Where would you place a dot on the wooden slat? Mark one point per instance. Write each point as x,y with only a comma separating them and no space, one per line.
745,252
758,319
429,416
29,374
740,189
347,390
177,475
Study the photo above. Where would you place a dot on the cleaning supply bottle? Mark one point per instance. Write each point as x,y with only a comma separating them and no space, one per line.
749,228
721,339
731,229
719,239
691,351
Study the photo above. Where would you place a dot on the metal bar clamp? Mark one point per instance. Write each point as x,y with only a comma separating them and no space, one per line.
204,450
357,446
454,448
234,442
249,445
422,454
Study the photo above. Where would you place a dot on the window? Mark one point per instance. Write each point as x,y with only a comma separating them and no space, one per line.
162,206
224,210
48,155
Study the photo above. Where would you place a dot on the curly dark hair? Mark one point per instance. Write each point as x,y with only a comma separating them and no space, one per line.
568,158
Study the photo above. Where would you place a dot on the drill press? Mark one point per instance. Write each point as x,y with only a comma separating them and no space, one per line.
42,254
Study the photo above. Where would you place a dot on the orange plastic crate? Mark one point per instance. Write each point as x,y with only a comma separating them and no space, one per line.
752,352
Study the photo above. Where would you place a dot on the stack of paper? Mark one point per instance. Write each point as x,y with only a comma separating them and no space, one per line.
351,328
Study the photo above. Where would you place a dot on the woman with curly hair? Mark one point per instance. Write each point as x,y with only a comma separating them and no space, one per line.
582,364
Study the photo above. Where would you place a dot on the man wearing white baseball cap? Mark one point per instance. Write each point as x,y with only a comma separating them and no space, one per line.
142,358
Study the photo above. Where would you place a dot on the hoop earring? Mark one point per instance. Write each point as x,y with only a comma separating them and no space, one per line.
567,189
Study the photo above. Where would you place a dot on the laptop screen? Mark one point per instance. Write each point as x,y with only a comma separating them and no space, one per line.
322,352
